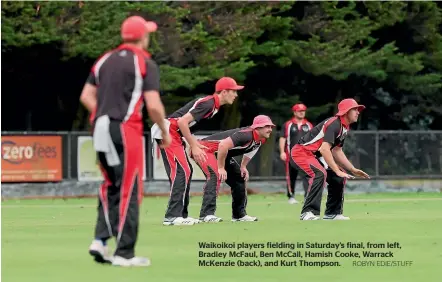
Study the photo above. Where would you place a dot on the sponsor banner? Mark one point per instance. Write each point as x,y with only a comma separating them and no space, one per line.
32,159
159,171
87,162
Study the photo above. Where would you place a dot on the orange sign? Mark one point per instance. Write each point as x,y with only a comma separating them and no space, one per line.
31,158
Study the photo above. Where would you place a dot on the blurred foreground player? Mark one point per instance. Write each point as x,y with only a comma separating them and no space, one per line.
221,166
291,131
318,154
114,93
182,124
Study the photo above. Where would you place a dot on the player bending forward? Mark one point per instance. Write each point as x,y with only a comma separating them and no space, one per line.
221,166
317,154
182,124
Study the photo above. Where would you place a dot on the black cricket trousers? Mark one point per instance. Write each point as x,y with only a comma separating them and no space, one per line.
291,173
179,171
121,192
212,185
318,177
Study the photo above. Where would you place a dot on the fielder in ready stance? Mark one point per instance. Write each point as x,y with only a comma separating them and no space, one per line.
221,166
114,93
317,154
183,123
291,131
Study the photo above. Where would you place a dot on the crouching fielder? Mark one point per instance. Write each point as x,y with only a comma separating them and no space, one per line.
317,154
221,166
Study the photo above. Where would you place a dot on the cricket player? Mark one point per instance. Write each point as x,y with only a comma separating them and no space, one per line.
221,148
319,155
291,131
114,92
182,124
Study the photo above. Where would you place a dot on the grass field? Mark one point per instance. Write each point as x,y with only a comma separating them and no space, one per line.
47,240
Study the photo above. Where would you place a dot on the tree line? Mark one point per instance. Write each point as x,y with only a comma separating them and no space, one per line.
387,55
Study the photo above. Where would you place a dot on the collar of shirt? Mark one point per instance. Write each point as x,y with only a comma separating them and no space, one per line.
343,122
256,137
134,49
216,99
295,121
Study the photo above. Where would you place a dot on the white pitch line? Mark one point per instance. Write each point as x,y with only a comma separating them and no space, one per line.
386,200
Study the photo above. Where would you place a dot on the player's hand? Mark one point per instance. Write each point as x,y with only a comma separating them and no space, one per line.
201,146
244,173
360,173
166,140
222,174
344,175
198,154
283,156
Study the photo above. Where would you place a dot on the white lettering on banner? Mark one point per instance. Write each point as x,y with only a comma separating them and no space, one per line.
159,171
87,165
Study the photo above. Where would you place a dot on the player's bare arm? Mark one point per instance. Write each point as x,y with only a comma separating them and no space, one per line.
196,148
342,159
245,161
224,146
183,124
282,153
244,172
326,153
88,97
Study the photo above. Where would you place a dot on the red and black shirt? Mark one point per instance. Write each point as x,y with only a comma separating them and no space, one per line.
333,130
121,76
200,108
246,141
292,131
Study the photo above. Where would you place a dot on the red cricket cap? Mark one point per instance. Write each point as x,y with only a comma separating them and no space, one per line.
299,107
136,27
347,104
261,121
227,83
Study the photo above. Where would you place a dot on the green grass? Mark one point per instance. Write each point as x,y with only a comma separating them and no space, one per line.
47,240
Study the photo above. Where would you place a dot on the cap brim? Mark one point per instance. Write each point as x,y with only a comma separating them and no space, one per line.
262,125
343,112
238,87
151,26
361,108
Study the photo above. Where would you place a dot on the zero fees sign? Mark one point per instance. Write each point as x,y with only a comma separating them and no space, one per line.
31,158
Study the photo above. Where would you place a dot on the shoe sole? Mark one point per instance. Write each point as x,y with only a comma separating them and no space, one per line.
237,220
132,265
173,224
98,257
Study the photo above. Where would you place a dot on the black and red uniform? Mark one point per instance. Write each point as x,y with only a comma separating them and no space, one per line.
292,131
175,159
121,76
247,142
306,158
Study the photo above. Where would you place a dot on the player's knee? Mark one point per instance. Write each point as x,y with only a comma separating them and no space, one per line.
320,174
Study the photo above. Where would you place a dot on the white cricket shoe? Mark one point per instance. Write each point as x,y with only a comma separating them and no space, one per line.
335,217
195,220
180,221
100,252
309,216
135,261
245,218
211,218
293,201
